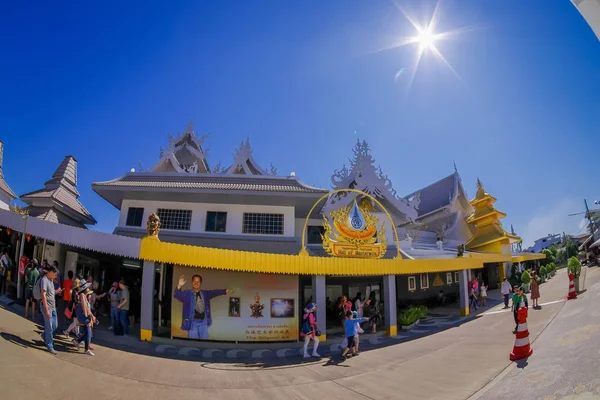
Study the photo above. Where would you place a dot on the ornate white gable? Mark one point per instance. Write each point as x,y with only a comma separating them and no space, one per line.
363,175
243,161
183,154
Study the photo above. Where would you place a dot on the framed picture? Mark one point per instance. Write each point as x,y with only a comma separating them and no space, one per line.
449,278
456,277
282,308
234,307
412,283
424,281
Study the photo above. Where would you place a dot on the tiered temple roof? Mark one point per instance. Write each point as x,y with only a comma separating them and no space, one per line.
4,188
58,201
489,235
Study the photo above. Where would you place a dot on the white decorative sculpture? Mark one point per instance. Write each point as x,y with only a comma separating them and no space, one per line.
191,168
363,175
409,239
440,245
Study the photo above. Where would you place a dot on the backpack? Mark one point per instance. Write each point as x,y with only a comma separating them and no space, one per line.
306,328
37,289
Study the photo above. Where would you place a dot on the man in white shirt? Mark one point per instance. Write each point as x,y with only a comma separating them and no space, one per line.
505,290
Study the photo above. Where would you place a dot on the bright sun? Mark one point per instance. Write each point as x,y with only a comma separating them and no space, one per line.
426,39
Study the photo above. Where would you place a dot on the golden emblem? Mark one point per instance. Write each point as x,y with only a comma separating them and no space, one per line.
256,307
355,232
153,225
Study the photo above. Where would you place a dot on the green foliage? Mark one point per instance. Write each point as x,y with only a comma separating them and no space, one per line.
411,315
574,266
551,268
515,278
543,271
526,277
550,257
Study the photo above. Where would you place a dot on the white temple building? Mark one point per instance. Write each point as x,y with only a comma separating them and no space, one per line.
6,193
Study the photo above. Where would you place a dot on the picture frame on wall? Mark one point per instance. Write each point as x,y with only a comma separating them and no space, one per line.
234,307
282,308
412,283
456,276
449,278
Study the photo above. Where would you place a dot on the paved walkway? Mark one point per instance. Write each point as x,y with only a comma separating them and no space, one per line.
438,366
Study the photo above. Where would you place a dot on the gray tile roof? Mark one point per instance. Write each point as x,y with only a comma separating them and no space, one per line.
5,188
212,182
436,195
61,188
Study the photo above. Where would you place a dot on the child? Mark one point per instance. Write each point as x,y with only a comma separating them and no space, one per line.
309,330
359,330
483,294
350,325
473,298
519,300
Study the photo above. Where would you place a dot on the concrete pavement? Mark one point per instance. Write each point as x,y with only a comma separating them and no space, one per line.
453,364
566,358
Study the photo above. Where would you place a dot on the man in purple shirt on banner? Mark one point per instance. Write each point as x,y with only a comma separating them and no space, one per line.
196,316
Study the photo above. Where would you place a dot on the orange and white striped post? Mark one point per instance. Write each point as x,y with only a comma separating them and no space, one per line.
522,348
572,292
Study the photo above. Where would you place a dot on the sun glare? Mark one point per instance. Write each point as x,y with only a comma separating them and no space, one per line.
426,39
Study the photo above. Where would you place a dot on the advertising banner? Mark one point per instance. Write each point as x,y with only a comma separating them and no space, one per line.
234,306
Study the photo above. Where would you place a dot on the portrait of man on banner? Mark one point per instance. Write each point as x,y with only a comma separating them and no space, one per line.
196,317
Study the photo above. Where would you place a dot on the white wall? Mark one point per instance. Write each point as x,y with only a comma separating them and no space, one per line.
4,202
235,214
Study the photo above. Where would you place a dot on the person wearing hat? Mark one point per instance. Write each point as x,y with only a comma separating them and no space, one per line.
31,277
85,318
309,330
49,306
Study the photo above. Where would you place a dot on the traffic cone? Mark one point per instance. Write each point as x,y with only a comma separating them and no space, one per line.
522,348
572,292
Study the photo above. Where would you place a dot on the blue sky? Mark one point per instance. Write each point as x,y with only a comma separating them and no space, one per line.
304,80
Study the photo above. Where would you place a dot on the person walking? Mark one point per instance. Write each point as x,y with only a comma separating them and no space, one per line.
350,329
31,278
85,318
473,298
113,294
4,270
483,295
49,307
309,330
358,302
73,306
505,291
535,291
123,307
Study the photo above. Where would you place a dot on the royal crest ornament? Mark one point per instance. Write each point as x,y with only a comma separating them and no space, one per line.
356,232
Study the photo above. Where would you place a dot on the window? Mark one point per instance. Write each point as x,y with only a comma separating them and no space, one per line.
265,224
314,233
424,281
448,278
412,284
134,216
175,219
216,221
456,277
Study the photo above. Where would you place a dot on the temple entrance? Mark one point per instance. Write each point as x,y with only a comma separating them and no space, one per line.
336,288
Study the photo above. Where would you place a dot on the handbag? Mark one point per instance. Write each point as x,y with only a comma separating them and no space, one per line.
69,312
82,320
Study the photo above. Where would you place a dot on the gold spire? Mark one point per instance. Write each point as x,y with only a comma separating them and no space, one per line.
489,235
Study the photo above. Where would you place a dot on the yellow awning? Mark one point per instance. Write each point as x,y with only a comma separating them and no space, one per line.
491,257
247,261
527,257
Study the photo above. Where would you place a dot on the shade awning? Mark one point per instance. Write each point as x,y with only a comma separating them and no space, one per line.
521,257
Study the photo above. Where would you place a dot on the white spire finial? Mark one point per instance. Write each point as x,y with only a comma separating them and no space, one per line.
190,128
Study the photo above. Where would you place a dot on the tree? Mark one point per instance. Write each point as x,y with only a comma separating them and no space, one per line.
526,277
574,266
550,256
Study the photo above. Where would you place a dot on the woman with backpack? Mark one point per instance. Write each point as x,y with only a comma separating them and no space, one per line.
309,330
85,318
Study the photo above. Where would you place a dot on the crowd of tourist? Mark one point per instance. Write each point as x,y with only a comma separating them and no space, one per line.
82,302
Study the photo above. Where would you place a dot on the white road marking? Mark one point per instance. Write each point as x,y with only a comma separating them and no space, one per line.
510,310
